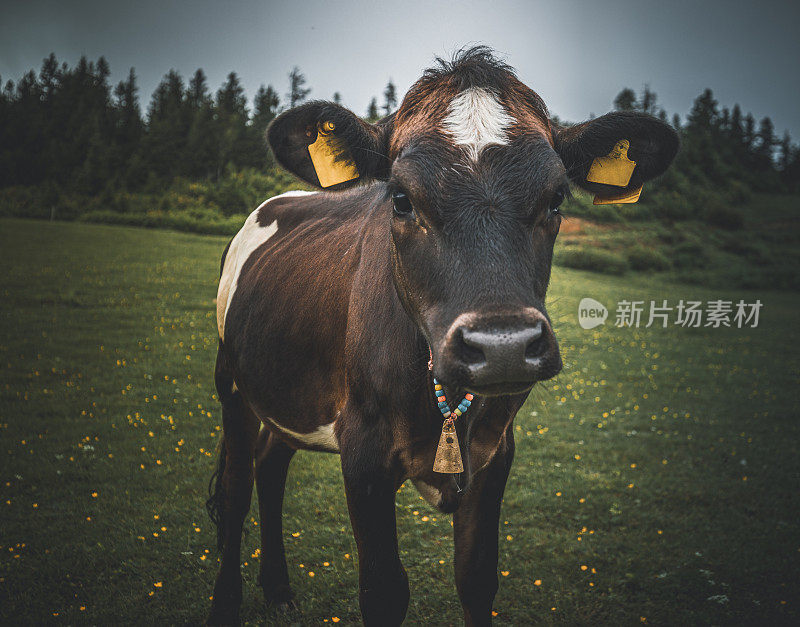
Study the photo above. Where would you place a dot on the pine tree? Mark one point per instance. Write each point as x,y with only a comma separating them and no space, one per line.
203,136
168,121
50,81
297,89
21,134
704,114
128,127
102,70
766,138
625,100
98,167
749,131
337,97
197,95
231,98
372,111
49,76
725,120
648,102
790,169
265,106
231,120
786,152
736,131
389,98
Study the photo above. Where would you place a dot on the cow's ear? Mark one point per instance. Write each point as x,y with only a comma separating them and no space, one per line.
594,152
329,146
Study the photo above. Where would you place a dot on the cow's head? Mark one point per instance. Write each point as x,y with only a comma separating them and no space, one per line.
474,172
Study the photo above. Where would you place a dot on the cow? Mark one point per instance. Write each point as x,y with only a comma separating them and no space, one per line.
426,256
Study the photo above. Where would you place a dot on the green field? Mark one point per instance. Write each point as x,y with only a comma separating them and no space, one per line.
657,479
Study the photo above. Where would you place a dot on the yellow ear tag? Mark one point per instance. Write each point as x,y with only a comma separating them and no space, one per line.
613,169
323,154
626,197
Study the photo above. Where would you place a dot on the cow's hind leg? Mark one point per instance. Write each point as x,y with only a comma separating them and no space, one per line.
272,465
232,496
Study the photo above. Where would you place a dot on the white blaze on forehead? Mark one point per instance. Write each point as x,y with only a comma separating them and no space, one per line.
247,240
476,119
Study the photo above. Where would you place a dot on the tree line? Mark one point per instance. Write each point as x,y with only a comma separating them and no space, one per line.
67,130
722,145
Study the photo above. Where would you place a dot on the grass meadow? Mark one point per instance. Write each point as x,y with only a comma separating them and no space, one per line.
656,480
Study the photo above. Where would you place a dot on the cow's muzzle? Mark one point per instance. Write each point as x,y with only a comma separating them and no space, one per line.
498,353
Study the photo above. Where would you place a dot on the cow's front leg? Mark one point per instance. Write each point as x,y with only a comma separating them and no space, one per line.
383,584
475,528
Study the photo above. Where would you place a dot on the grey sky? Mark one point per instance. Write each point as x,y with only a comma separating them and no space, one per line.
577,55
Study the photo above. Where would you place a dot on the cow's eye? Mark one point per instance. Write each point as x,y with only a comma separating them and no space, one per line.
555,202
402,205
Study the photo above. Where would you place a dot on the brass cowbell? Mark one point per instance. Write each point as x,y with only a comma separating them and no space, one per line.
448,455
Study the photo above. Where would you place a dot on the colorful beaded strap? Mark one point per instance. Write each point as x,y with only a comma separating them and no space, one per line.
448,453
442,400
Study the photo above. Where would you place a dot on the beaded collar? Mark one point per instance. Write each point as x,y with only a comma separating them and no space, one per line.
448,454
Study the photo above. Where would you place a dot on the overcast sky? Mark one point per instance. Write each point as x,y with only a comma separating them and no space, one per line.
577,55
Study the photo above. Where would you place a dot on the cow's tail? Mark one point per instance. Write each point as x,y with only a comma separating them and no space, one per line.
215,505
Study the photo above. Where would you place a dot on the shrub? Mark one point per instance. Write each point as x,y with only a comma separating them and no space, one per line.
593,259
724,216
579,204
199,221
668,235
671,205
754,251
738,192
41,202
689,254
678,196
641,258
635,212
605,214
22,202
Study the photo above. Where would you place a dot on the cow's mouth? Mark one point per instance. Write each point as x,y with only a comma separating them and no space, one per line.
502,389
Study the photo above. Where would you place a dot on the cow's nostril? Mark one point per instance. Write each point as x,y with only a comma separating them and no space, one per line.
472,355
537,344
469,351
535,349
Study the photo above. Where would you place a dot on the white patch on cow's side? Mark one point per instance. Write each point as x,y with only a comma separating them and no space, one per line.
322,437
428,492
476,119
246,241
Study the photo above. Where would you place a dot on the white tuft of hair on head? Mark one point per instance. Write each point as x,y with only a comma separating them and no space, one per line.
476,119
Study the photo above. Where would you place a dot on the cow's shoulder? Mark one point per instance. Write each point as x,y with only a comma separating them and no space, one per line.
259,227
289,208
